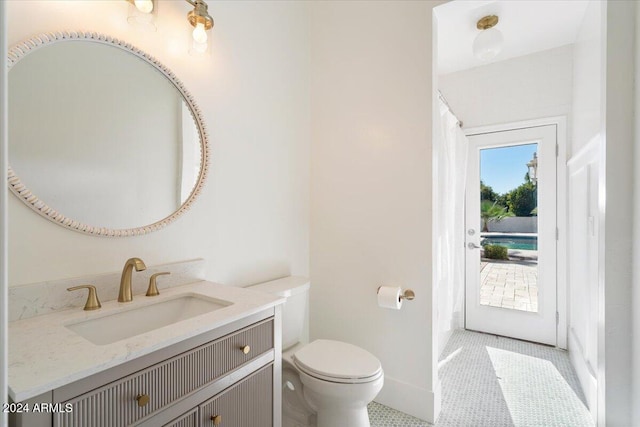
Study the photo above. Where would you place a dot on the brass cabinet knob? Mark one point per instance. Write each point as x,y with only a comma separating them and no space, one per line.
142,399
217,419
246,349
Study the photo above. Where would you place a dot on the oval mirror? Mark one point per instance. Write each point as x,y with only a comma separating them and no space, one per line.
103,139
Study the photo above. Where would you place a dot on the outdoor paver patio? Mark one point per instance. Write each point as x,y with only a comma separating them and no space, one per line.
509,284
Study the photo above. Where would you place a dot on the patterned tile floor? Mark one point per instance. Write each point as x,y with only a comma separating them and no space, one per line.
509,284
490,381
383,416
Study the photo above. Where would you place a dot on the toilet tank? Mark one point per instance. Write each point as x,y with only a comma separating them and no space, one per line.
294,311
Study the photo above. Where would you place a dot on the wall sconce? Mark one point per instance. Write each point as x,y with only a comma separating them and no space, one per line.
142,14
533,168
488,44
201,22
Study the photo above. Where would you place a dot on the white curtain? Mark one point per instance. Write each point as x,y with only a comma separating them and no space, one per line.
450,170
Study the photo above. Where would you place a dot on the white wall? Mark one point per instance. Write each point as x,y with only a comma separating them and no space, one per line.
583,211
523,88
251,222
371,188
4,311
582,224
635,397
587,79
616,215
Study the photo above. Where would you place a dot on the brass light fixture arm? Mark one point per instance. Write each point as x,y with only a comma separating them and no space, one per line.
199,14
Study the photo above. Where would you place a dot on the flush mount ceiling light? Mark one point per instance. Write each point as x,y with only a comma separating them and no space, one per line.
142,14
488,43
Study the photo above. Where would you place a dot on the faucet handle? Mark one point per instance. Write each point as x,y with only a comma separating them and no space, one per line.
93,303
153,289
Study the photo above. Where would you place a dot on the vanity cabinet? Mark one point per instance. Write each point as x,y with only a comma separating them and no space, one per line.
229,376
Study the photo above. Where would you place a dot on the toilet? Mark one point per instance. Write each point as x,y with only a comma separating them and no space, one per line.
325,383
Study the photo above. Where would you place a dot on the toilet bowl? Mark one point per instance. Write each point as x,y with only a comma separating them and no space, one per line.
339,380
326,383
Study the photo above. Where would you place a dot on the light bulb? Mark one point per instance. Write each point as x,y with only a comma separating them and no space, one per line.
488,44
199,33
198,49
144,6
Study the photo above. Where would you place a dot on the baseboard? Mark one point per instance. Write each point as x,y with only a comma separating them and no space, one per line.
585,373
410,399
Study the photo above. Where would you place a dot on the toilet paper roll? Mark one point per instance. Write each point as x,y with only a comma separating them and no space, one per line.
389,297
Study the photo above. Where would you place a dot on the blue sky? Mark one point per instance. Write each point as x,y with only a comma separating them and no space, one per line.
504,168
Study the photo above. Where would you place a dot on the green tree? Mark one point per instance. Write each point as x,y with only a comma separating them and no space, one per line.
522,200
502,200
487,193
492,212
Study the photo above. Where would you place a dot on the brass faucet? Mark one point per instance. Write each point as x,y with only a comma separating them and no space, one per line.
125,281
93,303
152,291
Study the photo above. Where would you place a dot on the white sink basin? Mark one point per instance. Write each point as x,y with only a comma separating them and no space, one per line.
126,324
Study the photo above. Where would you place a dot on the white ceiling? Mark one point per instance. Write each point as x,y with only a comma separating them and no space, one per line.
527,26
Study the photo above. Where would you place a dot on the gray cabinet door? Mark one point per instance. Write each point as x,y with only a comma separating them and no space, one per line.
248,403
189,419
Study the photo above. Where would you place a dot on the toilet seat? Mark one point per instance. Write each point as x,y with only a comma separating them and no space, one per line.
337,362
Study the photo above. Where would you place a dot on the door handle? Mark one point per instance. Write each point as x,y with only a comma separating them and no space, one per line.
472,245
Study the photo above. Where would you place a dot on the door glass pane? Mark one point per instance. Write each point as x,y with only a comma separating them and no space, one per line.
509,224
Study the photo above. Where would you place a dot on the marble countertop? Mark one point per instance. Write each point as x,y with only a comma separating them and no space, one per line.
44,354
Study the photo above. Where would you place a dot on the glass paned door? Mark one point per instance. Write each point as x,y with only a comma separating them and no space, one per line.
511,234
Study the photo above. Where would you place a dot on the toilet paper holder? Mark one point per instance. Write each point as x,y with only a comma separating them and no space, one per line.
408,294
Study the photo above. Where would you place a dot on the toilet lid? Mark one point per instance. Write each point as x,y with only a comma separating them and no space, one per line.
337,361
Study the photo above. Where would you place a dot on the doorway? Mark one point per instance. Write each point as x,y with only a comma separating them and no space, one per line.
510,234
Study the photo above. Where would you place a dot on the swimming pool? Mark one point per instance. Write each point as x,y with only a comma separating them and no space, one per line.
529,243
